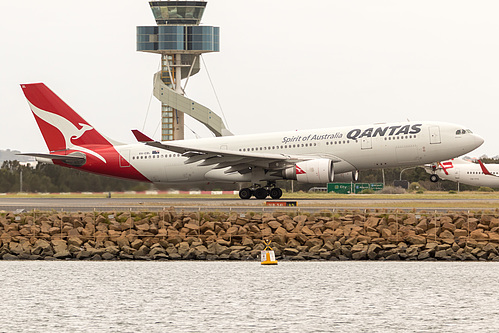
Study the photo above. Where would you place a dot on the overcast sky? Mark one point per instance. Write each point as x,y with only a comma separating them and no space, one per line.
283,65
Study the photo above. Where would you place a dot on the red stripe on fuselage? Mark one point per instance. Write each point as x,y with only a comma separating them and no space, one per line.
110,168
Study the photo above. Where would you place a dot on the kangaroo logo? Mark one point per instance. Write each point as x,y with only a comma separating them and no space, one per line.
67,128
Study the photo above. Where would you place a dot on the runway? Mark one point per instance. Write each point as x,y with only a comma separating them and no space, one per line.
13,204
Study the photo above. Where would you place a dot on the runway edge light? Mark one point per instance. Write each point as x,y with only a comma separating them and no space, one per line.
267,255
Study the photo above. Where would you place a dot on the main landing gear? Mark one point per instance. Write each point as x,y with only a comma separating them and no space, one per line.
261,192
434,178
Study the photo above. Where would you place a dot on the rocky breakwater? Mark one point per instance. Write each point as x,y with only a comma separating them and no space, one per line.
170,235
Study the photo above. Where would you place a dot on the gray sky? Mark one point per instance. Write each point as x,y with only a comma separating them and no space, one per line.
283,65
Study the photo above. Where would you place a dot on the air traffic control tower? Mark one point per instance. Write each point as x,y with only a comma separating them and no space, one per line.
180,41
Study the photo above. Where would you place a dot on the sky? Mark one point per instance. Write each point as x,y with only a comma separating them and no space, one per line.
282,65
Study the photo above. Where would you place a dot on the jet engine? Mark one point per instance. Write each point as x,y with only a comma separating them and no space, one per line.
347,177
312,171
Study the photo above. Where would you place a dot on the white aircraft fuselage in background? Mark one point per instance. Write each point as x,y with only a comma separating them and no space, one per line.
465,172
311,156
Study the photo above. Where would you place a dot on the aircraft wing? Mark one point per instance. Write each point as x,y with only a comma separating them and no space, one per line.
236,161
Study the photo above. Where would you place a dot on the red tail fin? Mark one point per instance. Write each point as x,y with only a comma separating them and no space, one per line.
484,169
61,127
141,137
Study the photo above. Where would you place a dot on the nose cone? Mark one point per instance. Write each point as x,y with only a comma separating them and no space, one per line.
478,140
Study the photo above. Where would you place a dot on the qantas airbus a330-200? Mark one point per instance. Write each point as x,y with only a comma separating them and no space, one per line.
310,156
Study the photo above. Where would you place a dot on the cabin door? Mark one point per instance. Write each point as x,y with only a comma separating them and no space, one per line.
435,135
366,143
124,158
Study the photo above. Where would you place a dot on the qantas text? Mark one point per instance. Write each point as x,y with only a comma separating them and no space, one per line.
357,133
382,131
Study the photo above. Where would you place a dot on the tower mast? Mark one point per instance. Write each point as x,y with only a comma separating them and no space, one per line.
180,40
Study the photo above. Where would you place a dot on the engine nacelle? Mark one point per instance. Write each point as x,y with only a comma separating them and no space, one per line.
347,177
319,171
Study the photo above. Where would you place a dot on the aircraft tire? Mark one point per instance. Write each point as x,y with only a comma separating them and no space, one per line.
261,193
275,193
434,178
245,193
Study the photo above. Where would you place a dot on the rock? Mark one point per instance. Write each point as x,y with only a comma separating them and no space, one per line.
136,244
359,247
9,256
478,234
233,230
424,255
372,222
345,250
59,246
63,254
108,256
114,250
75,241
442,254
393,256
386,233
306,231
493,237
281,231
372,251
157,250
15,248
191,226
290,252
83,255
141,252
361,255
300,219
160,256
313,242
42,248
447,234
301,238
274,224
217,249
183,248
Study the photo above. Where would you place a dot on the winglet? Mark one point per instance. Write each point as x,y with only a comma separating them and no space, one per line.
484,169
141,137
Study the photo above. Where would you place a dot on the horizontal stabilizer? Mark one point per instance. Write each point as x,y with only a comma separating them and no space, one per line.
75,159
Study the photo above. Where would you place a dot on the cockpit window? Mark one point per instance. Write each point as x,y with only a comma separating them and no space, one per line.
469,131
458,132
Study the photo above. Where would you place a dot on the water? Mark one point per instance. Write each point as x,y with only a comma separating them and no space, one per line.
193,296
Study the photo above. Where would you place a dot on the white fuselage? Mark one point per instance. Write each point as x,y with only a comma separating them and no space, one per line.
350,148
466,172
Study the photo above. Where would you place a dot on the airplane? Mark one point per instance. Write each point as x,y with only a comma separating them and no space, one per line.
465,172
310,156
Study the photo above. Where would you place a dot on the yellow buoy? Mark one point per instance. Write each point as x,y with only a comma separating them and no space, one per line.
267,255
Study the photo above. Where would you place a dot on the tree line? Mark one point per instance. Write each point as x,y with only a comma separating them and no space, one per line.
48,178
44,178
